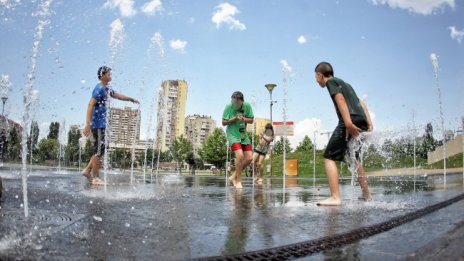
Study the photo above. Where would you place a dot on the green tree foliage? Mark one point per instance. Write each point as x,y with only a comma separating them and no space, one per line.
305,145
214,149
88,152
33,139
54,130
47,149
72,149
121,158
180,148
279,146
428,142
14,144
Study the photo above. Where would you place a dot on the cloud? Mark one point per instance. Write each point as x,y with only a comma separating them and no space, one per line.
225,15
456,34
416,6
178,45
126,7
152,7
301,39
307,127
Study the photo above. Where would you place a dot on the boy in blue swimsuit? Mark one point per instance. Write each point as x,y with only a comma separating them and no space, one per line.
96,121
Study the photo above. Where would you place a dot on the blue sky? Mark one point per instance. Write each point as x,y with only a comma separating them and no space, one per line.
381,47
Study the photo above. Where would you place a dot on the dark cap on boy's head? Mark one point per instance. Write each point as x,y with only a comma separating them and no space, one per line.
102,70
237,95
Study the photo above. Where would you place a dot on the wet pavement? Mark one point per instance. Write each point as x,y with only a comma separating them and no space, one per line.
182,217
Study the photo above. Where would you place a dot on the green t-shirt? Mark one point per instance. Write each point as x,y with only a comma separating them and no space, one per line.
337,85
236,131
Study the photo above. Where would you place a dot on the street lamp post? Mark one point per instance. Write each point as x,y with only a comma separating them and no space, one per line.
270,87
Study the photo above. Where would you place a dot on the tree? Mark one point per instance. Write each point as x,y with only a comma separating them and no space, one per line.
88,151
54,130
72,149
180,149
305,145
32,139
14,144
47,149
279,146
428,143
121,158
214,150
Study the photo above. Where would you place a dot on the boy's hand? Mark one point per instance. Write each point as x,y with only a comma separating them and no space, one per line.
352,130
135,101
87,130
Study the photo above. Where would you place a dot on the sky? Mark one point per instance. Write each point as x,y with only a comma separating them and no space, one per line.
382,48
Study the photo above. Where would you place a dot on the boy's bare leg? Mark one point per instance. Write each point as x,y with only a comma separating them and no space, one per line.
96,166
237,180
363,183
255,165
260,169
86,171
332,177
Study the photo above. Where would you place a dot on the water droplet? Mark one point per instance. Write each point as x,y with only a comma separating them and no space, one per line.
97,218
127,225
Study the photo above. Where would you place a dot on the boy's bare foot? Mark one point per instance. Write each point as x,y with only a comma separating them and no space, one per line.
260,181
329,202
238,185
86,173
97,181
233,180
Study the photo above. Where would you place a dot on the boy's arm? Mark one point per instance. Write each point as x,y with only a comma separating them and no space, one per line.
246,120
123,97
229,121
370,126
351,129
88,118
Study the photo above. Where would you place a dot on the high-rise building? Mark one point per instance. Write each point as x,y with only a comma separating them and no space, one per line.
124,125
171,112
198,128
260,123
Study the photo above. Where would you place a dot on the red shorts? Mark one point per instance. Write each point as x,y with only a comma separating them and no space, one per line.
239,146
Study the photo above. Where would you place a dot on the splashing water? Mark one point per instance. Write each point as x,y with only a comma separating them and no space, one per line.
133,144
5,85
434,60
117,36
43,13
253,104
116,42
356,148
158,40
287,71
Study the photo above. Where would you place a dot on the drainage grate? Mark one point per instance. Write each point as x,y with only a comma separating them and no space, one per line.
39,216
307,248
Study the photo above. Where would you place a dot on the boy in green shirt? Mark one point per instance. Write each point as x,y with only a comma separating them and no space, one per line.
236,116
353,118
